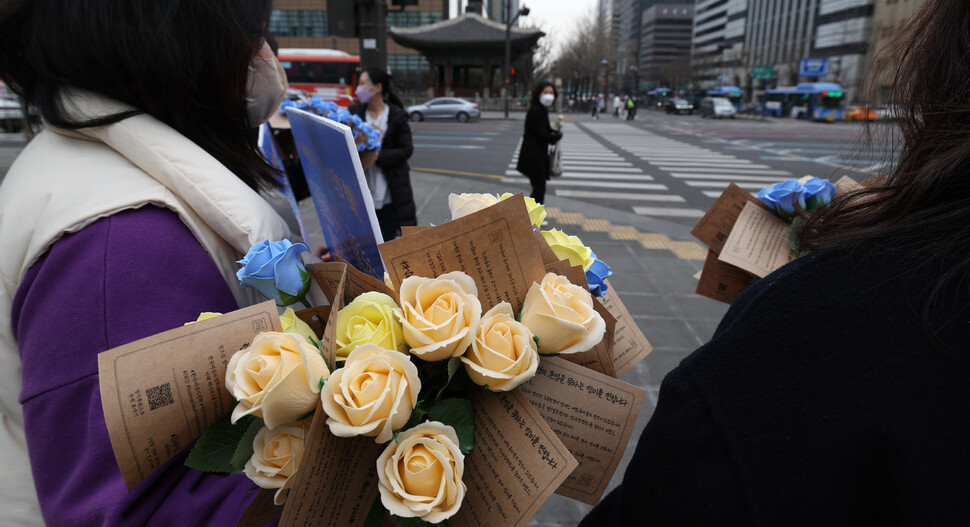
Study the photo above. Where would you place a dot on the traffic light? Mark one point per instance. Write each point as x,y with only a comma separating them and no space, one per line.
512,73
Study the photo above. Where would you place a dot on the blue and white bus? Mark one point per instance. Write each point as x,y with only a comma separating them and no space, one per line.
817,101
731,93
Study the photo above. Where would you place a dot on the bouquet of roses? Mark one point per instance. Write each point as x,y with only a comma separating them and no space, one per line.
426,395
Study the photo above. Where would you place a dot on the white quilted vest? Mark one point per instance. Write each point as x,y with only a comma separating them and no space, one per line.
66,180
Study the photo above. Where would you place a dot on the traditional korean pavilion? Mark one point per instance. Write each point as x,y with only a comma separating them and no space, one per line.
465,54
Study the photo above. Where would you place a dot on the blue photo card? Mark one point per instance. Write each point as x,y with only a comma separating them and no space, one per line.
339,190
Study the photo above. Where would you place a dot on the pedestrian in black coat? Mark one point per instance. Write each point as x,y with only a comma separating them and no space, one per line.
396,148
538,135
835,390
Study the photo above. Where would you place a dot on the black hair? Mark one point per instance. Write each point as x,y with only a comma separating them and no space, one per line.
537,91
185,62
379,76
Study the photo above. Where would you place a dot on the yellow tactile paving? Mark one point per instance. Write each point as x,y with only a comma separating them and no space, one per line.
685,250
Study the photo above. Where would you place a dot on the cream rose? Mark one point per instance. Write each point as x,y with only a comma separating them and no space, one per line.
276,457
439,315
372,395
369,319
465,204
537,211
277,378
569,248
561,314
420,473
503,354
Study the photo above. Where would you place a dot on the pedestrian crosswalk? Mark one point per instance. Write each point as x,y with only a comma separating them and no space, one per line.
652,174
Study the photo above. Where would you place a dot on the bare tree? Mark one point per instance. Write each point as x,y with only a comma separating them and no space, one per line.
543,54
580,58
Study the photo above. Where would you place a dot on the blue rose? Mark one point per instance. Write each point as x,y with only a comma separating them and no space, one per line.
275,270
355,121
596,275
341,116
784,197
373,144
361,146
818,194
330,106
287,104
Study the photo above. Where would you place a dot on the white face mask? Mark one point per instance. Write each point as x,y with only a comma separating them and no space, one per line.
547,99
265,89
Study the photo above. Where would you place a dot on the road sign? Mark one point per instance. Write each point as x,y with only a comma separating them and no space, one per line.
763,73
813,67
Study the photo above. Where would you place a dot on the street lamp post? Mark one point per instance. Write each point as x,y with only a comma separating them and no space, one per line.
524,11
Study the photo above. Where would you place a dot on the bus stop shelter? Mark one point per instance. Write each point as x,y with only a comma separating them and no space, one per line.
465,54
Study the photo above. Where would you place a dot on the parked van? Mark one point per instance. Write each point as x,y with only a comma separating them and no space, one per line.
717,107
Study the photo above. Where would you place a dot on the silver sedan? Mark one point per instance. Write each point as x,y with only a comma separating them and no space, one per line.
445,108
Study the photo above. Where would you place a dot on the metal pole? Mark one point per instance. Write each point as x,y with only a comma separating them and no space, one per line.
508,52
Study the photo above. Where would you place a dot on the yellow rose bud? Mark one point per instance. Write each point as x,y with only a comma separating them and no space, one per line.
503,354
561,314
569,248
276,457
369,319
464,204
372,395
419,475
205,315
277,378
537,211
439,315
292,324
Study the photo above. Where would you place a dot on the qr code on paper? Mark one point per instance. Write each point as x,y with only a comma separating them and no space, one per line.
160,396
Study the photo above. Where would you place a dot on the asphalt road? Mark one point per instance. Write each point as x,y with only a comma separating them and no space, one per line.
669,167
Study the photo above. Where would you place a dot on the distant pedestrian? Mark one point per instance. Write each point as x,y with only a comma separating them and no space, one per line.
538,135
389,178
630,108
596,110
616,106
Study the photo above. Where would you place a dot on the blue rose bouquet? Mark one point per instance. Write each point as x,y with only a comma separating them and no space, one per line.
794,200
367,138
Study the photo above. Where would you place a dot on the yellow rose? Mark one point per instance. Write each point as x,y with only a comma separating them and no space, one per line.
569,248
292,324
537,211
276,457
372,395
205,315
420,473
439,315
464,204
369,319
561,314
503,354
277,378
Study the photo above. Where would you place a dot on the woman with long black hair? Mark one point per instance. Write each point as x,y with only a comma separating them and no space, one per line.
122,219
835,391
389,178
538,135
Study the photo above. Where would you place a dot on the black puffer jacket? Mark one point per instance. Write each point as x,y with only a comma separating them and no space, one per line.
396,149
534,155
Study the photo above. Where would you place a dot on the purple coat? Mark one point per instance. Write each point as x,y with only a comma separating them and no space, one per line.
123,278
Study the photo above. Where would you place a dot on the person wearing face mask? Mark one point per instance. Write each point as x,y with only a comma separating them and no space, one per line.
538,135
123,218
389,178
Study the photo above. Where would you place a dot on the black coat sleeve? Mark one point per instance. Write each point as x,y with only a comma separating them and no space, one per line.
537,125
396,146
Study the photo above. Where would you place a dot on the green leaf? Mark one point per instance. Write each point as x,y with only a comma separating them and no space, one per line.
460,415
376,515
213,452
797,224
535,338
453,364
244,449
416,416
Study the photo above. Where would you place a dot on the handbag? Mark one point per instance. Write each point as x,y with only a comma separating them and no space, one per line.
555,160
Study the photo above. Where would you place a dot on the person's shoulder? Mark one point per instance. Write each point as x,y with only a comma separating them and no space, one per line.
396,112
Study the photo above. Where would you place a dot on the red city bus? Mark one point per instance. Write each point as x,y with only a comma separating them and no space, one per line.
329,73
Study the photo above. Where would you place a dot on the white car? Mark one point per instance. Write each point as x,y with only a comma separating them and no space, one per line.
717,107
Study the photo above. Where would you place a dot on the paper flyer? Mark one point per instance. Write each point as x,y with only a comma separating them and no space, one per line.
495,246
630,345
592,414
517,463
337,480
721,281
160,393
758,243
339,190
714,228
